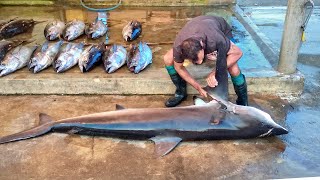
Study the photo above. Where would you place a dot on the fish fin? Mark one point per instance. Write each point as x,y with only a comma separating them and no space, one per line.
215,120
45,46
38,22
164,144
221,76
215,96
25,42
140,47
198,101
114,48
68,47
119,107
34,47
73,131
81,45
27,134
44,118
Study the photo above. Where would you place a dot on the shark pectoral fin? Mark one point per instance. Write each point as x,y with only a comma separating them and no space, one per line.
73,131
119,107
44,118
216,119
164,144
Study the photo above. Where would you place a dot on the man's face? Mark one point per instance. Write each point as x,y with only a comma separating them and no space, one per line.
200,57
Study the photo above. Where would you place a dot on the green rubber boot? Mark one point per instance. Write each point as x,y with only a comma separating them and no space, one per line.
181,91
242,93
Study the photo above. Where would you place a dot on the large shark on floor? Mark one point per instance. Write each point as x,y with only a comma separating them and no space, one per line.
167,127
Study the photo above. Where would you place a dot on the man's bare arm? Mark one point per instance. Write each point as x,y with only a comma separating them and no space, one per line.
182,71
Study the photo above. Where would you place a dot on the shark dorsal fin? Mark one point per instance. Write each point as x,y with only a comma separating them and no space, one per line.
44,118
119,107
165,144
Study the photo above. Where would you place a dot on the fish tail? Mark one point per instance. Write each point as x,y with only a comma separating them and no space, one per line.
37,22
46,124
4,72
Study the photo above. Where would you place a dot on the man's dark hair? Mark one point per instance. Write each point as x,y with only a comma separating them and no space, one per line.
190,49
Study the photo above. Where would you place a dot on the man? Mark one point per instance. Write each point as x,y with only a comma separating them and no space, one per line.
201,38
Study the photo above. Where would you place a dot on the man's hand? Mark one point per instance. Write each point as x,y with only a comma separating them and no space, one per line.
211,79
182,71
212,56
202,92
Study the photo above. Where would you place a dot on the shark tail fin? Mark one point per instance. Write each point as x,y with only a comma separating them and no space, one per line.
45,126
44,119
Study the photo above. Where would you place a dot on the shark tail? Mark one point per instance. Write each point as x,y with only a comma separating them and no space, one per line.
45,125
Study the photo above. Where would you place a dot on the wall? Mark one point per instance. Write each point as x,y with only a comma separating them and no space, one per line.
124,2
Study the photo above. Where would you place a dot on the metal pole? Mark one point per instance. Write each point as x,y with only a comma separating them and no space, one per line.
292,34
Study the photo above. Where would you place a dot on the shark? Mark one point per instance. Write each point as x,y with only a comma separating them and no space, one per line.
166,127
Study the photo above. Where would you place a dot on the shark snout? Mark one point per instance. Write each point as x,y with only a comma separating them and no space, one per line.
279,131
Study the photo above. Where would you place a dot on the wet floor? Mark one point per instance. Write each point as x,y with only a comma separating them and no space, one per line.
300,159
303,120
61,156
270,21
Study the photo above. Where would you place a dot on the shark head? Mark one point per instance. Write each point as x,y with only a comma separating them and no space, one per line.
269,126
246,118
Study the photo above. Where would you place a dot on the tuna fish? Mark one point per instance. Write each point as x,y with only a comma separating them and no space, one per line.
16,59
90,57
53,30
96,30
132,30
16,27
45,57
114,58
73,30
5,46
68,57
139,57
